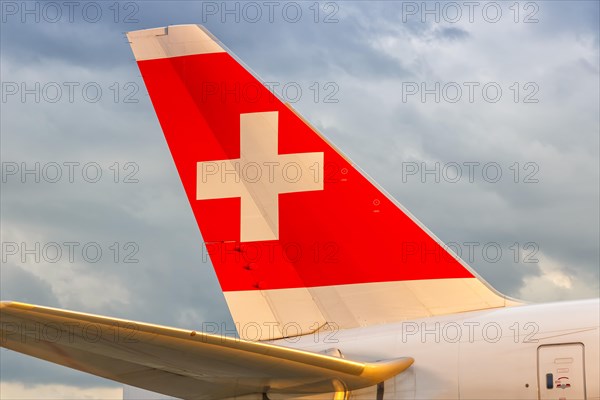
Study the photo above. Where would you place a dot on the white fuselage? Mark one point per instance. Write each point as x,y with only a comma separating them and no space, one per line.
504,353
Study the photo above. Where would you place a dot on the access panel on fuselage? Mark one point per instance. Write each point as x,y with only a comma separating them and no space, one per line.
561,373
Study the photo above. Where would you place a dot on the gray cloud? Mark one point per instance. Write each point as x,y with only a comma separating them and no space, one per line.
368,54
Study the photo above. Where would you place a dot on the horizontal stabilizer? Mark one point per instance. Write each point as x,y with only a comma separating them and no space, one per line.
178,362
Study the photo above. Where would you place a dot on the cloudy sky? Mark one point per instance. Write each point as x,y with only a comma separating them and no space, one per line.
483,122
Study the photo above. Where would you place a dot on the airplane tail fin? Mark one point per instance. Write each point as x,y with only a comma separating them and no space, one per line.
300,239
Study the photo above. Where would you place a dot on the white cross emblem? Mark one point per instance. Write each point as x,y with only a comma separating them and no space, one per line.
259,176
